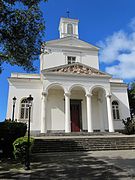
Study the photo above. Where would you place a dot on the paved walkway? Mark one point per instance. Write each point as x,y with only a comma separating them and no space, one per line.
124,159
100,165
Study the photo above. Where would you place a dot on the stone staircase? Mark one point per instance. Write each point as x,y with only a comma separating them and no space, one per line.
83,143
80,134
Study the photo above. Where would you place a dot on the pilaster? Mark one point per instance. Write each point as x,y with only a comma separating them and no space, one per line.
43,113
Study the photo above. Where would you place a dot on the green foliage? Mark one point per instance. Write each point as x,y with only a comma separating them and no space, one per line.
131,96
20,148
9,132
21,32
129,125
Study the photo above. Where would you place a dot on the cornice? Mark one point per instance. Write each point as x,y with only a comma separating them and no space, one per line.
52,74
72,47
114,84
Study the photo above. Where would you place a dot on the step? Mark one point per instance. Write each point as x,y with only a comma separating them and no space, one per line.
83,144
80,134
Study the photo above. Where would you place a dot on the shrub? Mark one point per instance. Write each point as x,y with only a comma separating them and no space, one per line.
20,148
9,132
129,125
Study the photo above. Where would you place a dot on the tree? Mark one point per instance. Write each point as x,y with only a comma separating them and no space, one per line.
131,96
21,32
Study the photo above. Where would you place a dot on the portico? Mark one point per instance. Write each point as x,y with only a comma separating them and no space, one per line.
75,107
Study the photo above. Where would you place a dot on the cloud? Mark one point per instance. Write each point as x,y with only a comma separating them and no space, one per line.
118,53
132,24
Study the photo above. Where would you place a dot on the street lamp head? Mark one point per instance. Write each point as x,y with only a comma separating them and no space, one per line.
14,100
30,99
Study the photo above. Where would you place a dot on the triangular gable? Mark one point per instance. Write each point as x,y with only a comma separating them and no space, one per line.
76,69
71,42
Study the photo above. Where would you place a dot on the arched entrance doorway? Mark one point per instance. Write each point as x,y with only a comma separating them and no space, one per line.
77,109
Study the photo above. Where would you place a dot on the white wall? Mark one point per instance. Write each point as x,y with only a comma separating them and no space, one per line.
57,58
99,113
55,110
104,113
91,60
21,92
95,113
52,60
120,94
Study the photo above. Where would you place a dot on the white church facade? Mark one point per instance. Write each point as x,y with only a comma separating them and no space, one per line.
70,94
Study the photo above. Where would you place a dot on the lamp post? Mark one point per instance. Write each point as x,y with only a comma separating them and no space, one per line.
14,101
27,163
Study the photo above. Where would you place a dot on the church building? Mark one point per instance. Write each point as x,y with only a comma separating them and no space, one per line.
70,94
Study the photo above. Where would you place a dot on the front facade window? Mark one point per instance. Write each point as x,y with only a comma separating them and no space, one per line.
115,110
71,59
24,111
69,29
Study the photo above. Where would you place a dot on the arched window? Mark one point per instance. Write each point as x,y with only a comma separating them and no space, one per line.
24,111
69,29
115,110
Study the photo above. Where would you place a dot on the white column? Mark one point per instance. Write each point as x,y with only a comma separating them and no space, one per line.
43,113
67,113
109,111
89,113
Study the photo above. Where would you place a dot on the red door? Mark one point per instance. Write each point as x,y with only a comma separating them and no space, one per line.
75,117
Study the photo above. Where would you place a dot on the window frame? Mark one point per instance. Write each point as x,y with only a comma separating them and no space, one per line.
115,110
71,59
25,117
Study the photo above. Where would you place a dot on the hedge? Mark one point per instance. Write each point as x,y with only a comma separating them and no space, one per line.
9,132
20,148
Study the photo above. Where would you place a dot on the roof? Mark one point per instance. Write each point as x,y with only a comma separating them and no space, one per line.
68,19
71,42
75,69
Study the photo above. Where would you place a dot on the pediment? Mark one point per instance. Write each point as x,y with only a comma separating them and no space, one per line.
71,42
75,69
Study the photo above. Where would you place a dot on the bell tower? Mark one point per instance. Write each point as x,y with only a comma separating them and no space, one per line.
68,27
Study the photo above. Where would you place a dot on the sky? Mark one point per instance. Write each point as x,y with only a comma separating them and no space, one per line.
108,24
